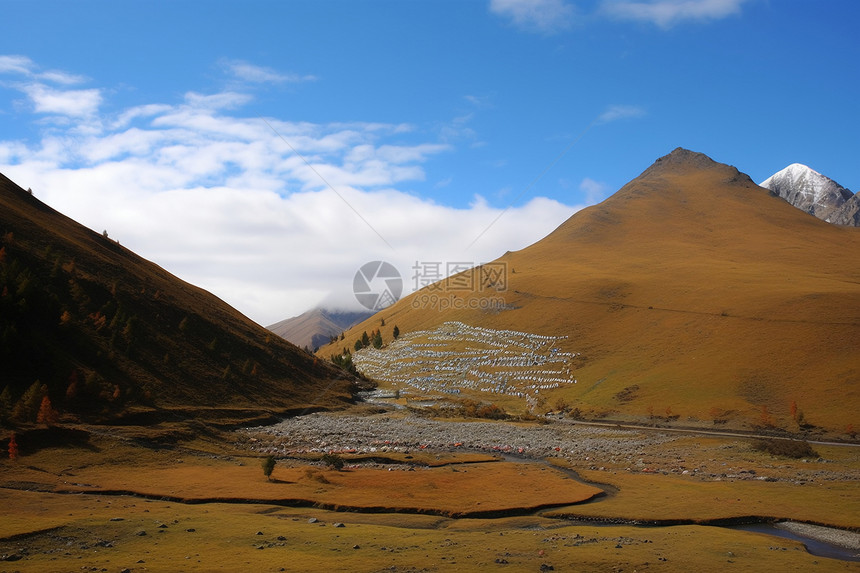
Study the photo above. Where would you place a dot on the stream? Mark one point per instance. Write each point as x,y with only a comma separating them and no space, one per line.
324,431
813,546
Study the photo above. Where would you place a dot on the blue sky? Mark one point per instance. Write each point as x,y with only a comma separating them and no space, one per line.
265,150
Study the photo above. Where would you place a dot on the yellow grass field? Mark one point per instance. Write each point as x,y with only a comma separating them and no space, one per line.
205,505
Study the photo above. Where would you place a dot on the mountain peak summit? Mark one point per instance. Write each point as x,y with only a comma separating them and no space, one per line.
684,160
809,190
680,156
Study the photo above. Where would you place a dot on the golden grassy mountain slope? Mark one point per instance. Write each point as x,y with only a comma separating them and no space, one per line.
691,291
105,331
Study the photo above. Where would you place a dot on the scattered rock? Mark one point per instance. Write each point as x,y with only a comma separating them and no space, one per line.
117,519
313,520
338,525
141,533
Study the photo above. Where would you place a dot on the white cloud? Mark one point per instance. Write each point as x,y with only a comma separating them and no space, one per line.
59,77
224,202
24,66
73,103
616,112
259,74
595,191
541,16
667,13
21,65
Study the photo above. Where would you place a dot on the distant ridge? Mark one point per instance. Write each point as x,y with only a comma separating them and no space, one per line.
108,335
816,194
314,328
690,292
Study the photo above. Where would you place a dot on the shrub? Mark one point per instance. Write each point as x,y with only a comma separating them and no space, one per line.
268,466
473,409
333,461
786,448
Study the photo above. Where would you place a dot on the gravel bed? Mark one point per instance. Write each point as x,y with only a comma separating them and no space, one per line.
380,433
830,535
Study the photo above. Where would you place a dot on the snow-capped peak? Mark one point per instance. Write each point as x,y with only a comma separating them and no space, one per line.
809,190
797,174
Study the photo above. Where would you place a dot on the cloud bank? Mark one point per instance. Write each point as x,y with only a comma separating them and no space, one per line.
272,216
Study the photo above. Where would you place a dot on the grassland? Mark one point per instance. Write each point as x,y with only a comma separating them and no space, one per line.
116,502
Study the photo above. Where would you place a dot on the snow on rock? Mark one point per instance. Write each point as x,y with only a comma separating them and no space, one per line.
810,191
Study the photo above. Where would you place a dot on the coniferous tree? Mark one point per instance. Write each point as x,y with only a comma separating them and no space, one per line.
13,447
47,414
28,405
5,403
268,467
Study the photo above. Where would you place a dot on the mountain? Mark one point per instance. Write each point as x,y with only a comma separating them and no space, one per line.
314,328
108,335
814,193
849,214
690,292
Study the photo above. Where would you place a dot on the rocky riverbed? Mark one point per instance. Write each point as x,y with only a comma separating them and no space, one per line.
323,432
581,446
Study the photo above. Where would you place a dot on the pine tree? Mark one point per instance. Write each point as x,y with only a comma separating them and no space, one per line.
28,405
5,403
13,447
47,415
396,332
268,466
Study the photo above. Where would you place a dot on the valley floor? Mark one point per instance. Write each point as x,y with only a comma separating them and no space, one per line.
418,494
